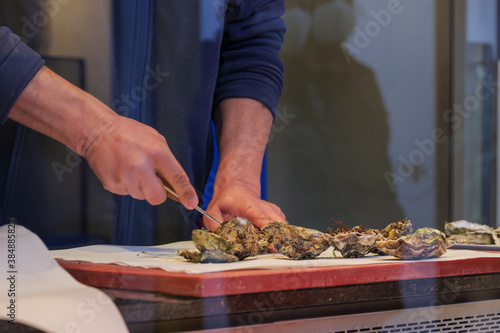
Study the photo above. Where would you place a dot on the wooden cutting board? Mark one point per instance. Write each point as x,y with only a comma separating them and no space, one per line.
267,280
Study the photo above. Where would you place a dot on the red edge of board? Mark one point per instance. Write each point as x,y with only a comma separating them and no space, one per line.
268,280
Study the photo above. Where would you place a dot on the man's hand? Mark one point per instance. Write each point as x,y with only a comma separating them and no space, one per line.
243,127
127,156
240,201
132,158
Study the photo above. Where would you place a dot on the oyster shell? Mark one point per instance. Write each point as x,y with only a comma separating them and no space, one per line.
263,243
296,242
353,243
241,236
465,232
463,226
397,229
474,238
235,239
207,256
424,243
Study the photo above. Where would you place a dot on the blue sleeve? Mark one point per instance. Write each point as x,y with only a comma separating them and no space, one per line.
250,63
18,65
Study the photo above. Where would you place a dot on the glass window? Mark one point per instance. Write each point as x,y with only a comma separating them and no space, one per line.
473,118
357,137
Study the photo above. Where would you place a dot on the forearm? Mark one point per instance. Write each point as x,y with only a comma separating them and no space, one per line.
51,105
243,127
129,158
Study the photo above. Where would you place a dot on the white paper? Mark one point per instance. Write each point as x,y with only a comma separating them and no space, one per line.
43,294
165,257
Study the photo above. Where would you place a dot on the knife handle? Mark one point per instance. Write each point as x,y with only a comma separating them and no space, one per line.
171,193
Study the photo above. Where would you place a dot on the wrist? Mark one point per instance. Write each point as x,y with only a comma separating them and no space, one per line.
95,127
230,177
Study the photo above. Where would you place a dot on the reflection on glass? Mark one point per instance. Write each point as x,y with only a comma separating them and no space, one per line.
328,151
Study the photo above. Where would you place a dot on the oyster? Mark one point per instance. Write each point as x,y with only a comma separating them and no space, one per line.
463,226
235,239
263,243
397,229
207,256
353,243
464,232
424,243
474,238
296,242
241,236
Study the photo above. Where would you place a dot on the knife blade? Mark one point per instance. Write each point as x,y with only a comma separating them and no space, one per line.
175,197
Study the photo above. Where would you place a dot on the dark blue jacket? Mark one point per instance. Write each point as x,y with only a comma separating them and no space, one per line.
174,62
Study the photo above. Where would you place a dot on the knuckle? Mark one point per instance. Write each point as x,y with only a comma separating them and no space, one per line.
157,149
181,179
141,165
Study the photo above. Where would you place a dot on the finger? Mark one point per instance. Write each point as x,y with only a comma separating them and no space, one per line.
272,249
257,216
109,181
135,192
155,194
278,213
209,224
265,213
169,170
215,213
142,184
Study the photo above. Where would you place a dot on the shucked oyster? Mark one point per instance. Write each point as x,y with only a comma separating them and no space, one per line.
353,243
424,243
235,239
296,242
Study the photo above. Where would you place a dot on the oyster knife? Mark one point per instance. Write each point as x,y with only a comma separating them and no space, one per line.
175,197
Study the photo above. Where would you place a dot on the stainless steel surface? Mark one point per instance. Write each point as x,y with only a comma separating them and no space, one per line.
198,208
466,317
476,247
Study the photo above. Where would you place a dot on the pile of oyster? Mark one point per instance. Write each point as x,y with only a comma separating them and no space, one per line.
237,239
464,232
397,240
